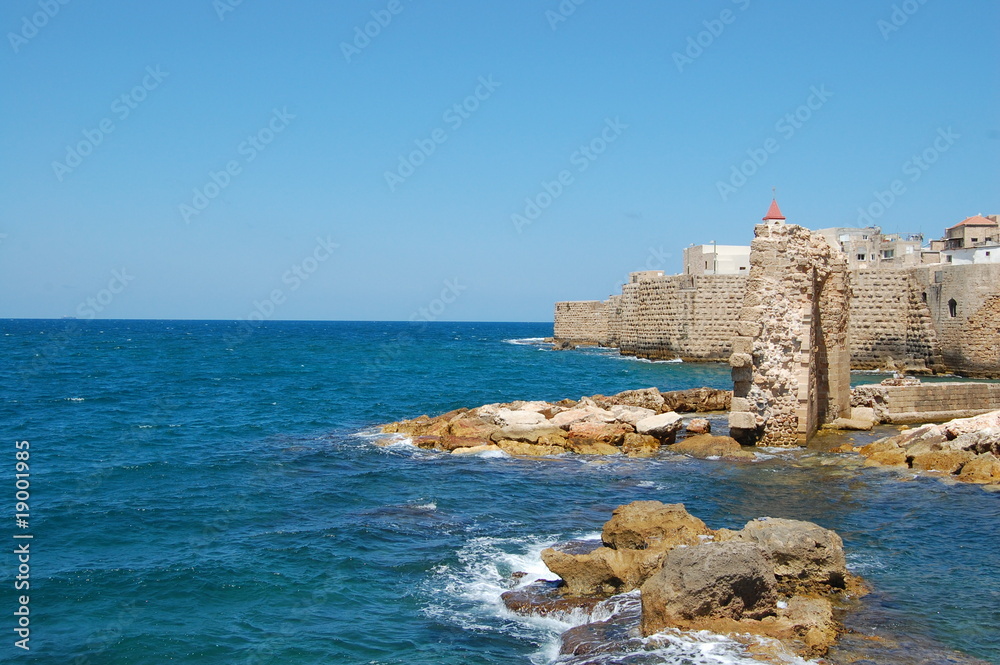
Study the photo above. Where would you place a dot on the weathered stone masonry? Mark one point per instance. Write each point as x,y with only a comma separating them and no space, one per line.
898,318
791,368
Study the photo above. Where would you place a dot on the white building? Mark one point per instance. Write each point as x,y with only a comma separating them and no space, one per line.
717,260
970,255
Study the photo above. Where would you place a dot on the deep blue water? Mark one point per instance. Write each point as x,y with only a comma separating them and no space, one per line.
201,494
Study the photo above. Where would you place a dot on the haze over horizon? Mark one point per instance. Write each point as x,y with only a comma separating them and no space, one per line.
212,159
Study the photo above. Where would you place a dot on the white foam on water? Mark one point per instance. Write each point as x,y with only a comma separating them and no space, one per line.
75,399
467,593
526,341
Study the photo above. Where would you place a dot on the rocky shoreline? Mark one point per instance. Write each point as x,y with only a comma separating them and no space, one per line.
773,585
964,449
635,423
641,423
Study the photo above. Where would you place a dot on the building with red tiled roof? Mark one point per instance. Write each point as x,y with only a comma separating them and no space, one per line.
973,231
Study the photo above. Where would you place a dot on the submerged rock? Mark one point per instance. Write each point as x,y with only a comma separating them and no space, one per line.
706,445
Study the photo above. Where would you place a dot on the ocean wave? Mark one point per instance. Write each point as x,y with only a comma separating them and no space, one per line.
468,593
526,341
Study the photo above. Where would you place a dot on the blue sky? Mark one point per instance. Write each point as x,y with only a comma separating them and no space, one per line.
229,159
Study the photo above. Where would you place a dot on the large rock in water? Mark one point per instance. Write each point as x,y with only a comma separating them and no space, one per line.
804,555
643,525
635,542
698,585
646,398
706,445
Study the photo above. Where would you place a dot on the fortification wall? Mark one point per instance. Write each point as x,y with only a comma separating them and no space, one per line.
968,332
679,316
928,402
586,320
889,324
898,318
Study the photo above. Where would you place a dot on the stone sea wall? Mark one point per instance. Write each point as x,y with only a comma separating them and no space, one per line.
898,318
927,401
586,320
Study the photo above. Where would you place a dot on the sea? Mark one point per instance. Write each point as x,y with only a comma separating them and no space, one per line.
205,492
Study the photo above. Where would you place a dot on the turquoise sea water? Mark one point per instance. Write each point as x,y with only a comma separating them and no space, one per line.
206,493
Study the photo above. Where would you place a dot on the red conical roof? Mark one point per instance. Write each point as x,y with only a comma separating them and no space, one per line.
774,212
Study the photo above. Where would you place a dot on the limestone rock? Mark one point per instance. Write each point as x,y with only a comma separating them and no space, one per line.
982,469
804,555
699,426
472,427
850,424
508,417
646,398
706,445
475,450
947,461
522,449
730,580
613,433
640,445
579,414
630,414
527,433
643,525
604,571
698,400
582,446
982,441
664,426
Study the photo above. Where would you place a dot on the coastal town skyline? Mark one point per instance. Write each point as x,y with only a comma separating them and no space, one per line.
377,162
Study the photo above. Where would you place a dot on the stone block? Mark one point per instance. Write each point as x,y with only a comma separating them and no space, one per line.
742,420
747,328
741,360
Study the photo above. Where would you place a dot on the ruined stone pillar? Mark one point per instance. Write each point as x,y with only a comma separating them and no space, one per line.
790,359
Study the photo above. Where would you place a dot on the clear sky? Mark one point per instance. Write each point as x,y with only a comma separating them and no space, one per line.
470,160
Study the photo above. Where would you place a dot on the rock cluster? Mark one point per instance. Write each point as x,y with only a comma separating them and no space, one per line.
966,449
774,578
635,423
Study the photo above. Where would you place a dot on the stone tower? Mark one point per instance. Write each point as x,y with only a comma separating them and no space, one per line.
790,359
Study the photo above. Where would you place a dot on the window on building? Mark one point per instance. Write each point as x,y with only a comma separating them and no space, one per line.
864,237
974,239
952,308
888,253
923,296
950,257
706,265
861,257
